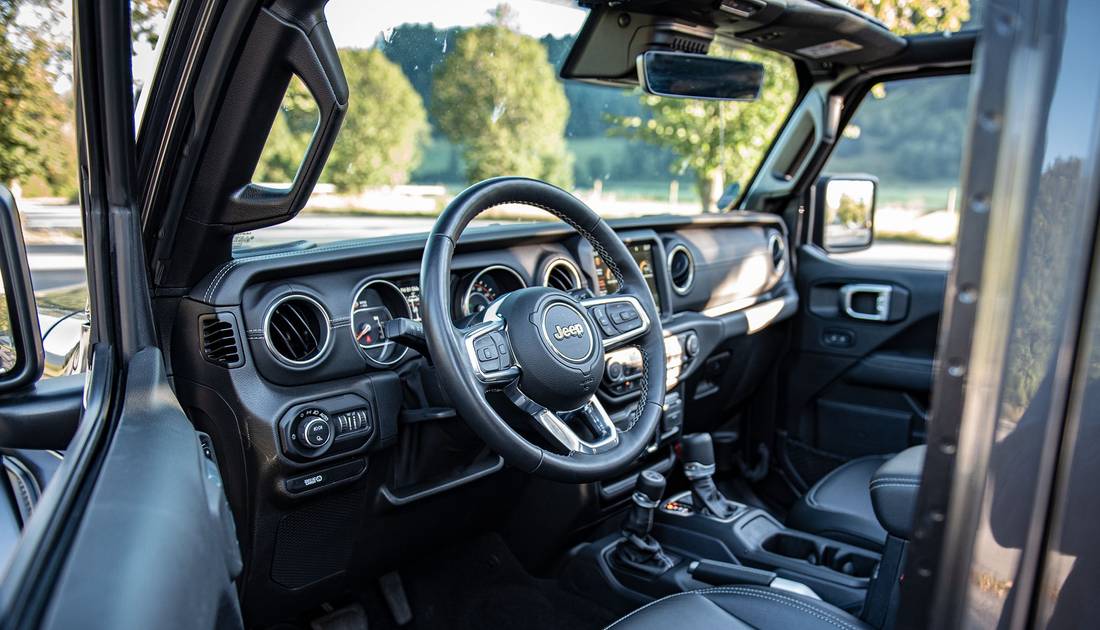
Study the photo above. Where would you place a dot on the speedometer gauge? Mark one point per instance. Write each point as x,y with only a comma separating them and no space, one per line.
486,286
376,303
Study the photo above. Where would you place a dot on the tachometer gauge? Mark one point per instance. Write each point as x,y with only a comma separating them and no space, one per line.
482,293
486,286
375,304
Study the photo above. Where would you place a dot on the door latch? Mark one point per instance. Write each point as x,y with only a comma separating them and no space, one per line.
868,302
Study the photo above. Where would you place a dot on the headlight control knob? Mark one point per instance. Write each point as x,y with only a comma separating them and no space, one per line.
313,429
691,344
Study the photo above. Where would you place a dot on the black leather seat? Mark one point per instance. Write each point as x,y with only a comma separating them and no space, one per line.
839,505
739,607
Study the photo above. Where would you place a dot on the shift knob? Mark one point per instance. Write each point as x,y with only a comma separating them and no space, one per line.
697,448
650,484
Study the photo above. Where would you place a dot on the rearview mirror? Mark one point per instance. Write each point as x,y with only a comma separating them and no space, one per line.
846,204
21,356
686,75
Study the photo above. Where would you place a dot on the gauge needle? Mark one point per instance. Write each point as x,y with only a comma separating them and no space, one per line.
362,333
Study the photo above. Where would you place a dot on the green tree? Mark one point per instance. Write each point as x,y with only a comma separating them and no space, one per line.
385,128
906,17
720,142
380,141
32,114
497,96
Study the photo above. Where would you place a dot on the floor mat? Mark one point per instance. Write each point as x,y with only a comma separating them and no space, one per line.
480,585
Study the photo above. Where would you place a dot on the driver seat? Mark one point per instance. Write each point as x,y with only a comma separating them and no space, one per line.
739,607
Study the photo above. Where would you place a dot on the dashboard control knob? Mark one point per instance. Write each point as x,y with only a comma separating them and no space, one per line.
314,429
614,370
691,344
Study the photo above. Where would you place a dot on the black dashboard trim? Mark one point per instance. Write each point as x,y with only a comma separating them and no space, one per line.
224,285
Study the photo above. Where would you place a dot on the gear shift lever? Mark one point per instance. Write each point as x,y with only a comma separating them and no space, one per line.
639,550
698,455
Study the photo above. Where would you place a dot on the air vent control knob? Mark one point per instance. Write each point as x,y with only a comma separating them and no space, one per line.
313,428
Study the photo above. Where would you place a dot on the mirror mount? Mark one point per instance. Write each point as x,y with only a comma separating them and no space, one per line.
690,75
24,338
844,212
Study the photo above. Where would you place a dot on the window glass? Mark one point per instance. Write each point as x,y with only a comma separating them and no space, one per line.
908,17
444,94
38,160
909,135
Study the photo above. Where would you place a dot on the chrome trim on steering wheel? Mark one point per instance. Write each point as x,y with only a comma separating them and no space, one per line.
470,337
553,427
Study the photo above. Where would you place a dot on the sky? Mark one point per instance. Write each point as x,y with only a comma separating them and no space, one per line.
357,23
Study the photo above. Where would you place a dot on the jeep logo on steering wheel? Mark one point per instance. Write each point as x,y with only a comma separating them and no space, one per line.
564,332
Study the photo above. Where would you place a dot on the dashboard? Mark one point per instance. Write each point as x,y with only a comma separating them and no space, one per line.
282,358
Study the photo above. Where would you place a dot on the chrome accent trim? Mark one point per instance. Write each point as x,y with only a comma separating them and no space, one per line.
680,247
883,293
556,429
327,330
351,318
472,334
464,307
643,501
584,324
609,341
695,470
574,271
776,239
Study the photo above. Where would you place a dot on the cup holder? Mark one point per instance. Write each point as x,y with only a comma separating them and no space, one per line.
841,559
792,547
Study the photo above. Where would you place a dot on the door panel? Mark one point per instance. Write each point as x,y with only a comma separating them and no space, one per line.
857,386
156,546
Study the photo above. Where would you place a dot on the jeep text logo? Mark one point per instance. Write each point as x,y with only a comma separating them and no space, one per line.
565,332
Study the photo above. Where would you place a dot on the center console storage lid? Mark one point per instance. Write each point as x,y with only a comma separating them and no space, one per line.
894,489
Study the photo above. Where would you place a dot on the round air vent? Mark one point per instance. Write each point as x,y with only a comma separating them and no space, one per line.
777,249
563,275
297,330
681,268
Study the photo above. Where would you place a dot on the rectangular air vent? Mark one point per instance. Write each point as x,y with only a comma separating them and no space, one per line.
220,345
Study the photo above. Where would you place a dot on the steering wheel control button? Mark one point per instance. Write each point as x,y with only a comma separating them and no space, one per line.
605,323
624,316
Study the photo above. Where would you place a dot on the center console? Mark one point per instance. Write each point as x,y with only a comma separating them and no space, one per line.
699,538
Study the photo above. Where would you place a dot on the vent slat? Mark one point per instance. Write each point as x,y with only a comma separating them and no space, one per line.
219,339
297,329
563,275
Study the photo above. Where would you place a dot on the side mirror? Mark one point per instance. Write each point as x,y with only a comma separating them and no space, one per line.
846,207
686,75
21,355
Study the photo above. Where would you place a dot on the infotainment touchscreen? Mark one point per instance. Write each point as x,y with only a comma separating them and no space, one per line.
642,251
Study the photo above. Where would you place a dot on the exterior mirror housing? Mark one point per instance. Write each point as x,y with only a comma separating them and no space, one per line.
846,207
687,75
21,355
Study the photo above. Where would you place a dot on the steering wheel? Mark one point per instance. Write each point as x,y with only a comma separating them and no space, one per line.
544,348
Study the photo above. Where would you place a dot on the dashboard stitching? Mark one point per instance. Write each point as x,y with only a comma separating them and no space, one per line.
227,267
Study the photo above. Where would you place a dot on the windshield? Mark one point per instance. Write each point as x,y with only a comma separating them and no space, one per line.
916,17
444,94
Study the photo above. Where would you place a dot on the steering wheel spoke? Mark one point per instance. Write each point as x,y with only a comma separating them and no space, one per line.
554,427
490,353
621,318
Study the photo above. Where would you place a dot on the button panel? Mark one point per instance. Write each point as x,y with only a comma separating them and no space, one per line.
492,353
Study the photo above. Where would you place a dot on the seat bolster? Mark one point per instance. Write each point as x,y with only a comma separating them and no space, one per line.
894,488
739,607
838,506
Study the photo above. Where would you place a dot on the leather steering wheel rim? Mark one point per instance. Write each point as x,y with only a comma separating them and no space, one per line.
453,352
